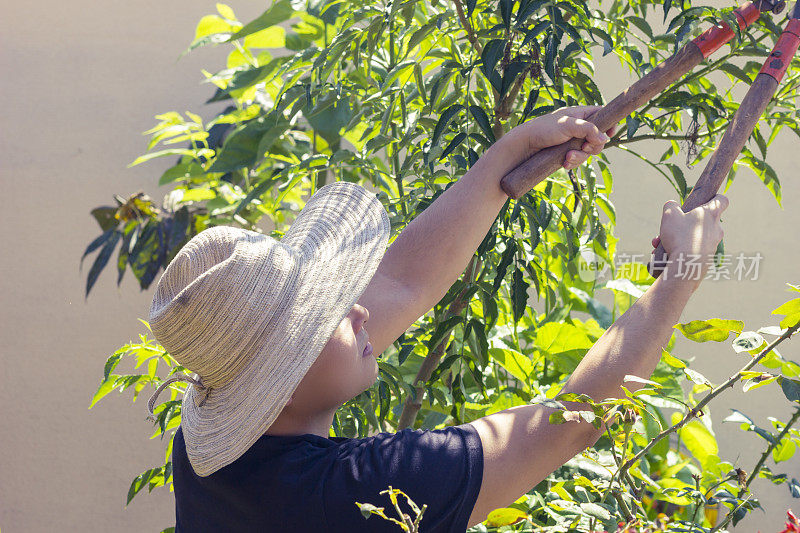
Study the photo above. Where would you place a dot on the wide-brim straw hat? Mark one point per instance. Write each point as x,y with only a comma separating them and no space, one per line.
249,314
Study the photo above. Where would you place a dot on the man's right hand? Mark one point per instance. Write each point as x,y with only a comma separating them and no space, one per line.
695,234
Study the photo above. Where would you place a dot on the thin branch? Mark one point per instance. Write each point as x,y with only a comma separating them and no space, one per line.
412,406
757,467
710,396
771,447
692,76
626,512
651,136
730,516
468,27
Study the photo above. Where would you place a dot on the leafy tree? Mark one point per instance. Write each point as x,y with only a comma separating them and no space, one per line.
403,97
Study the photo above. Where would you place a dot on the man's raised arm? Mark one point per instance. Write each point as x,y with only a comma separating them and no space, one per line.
520,446
433,250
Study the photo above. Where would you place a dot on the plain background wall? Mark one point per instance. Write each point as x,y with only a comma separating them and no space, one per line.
81,81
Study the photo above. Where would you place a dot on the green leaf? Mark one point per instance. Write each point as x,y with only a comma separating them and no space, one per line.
696,377
226,11
483,121
492,52
278,12
519,294
794,488
596,510
105,387
757,382
555,337
248,77
699,440
636,379
105,217
672,361
791,389
198,195
141,481
458,139
241,147
505,517
443,330
102,259
791,310
273,37
444,120
736,72
162,153
184,171
784,451
95,244
505,400
212,24
400,69
517,364
738,417
420,34
747,341
713,329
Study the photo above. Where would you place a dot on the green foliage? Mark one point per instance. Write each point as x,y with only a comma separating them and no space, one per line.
403,97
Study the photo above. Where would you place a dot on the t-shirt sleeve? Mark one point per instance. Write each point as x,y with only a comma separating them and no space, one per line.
442,468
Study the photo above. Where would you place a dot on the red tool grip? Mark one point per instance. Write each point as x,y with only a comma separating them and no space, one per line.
778,61
713,38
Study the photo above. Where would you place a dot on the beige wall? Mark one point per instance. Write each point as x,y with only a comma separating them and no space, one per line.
80,81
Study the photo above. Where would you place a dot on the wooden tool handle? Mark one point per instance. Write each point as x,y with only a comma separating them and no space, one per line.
544,162
721,162
739,130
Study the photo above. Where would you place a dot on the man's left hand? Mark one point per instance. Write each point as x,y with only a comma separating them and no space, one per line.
556,128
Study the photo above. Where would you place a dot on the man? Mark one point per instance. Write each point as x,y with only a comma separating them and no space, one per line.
281,334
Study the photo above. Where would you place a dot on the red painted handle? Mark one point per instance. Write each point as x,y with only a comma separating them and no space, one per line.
778,61
744,121
713,38
530,172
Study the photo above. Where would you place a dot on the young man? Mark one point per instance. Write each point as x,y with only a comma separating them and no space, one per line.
280,334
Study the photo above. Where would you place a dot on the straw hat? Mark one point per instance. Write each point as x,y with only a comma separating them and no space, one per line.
249,314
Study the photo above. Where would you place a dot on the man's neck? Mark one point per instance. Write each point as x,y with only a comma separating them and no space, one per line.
291,423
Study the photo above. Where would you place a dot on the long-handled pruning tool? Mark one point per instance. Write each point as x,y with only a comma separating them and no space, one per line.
744,122
529,173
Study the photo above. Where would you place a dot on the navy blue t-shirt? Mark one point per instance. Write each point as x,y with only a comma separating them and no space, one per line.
311,483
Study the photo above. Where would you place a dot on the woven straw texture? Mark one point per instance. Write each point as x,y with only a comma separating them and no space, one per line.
249,314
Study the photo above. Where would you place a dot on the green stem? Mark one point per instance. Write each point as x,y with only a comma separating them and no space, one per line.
710,396
697,504
398,179
771,447
694,75
650,136
729,517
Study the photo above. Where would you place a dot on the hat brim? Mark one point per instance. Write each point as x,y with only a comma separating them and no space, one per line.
338,239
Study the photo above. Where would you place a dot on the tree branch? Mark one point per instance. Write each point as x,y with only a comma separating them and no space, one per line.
710,396
771,447
758,466
412,406
617,142
468,27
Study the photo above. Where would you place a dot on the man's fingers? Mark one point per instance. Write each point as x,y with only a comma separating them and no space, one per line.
578,111
671,206
718,204
583,129
575,158
592,149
